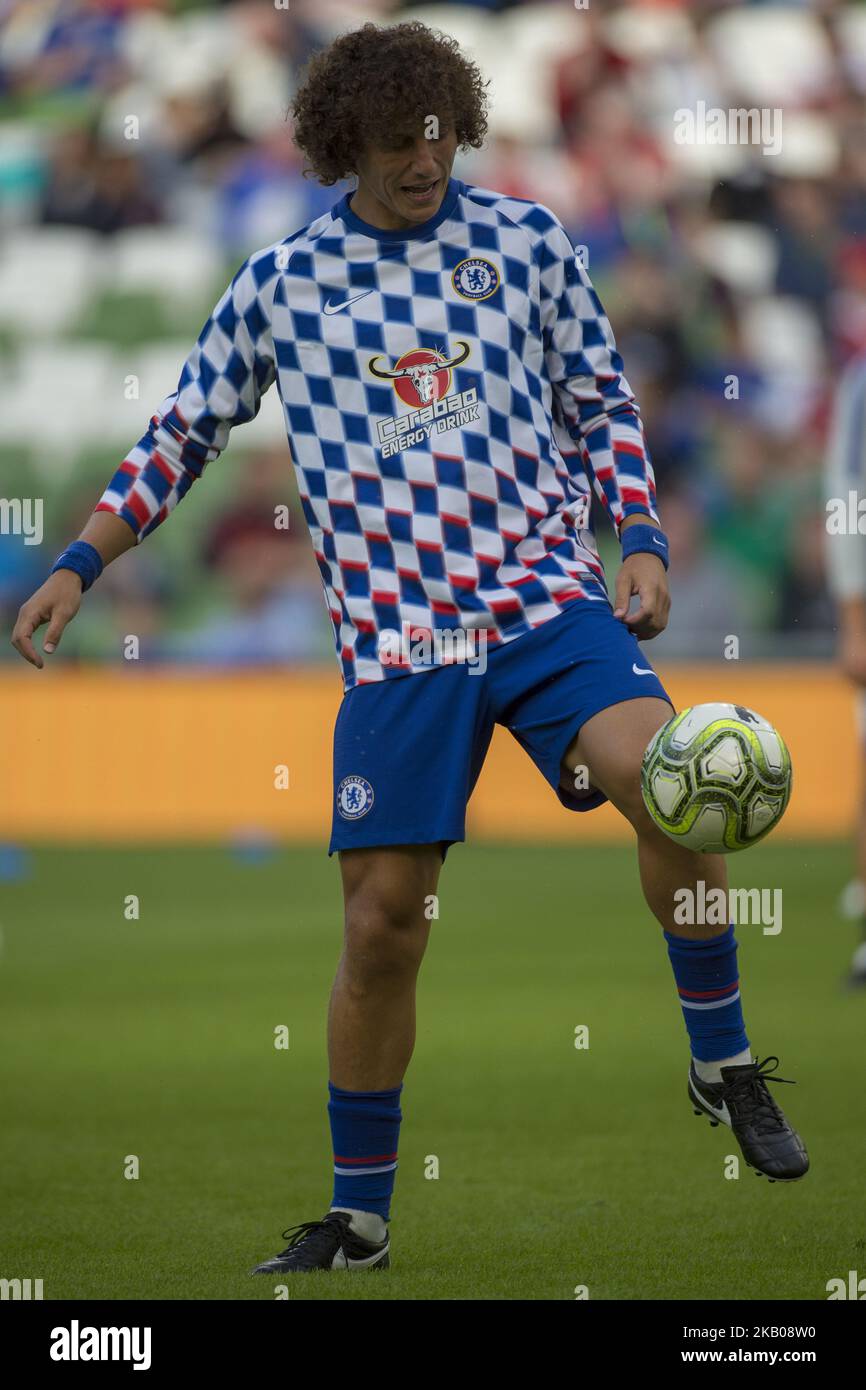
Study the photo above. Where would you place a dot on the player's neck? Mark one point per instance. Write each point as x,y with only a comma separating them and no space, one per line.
370,209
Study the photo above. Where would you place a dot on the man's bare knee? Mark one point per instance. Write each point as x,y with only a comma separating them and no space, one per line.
610,749
382,951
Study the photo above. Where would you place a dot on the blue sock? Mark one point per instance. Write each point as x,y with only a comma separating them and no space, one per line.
365,1128
709,989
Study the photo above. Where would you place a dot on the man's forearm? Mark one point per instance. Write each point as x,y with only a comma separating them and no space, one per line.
109,535
852,614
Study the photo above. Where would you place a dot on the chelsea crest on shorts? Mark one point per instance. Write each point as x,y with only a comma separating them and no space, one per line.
354,797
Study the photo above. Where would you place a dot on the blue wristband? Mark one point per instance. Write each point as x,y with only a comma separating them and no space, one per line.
83,559
648,540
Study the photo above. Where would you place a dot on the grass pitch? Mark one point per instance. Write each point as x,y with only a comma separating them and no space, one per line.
557,1167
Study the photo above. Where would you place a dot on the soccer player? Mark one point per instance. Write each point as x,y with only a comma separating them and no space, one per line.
845,473
452,392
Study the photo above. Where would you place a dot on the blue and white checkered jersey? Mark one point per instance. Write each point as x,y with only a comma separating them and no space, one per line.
450,391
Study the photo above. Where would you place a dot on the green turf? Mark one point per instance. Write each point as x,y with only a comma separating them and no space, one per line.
557,1167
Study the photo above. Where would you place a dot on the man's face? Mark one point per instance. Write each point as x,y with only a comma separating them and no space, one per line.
402,180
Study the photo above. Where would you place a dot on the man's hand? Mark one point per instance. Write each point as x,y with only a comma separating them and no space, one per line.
645,575
56,603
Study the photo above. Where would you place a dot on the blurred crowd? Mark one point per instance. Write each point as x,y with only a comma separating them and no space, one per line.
735,277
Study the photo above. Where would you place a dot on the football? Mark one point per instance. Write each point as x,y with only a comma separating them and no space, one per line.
716,778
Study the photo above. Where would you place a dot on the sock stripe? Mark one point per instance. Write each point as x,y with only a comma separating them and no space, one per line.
719,1004
363,1172
373,1158
708,993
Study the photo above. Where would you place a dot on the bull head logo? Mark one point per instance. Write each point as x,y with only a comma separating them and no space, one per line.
422,375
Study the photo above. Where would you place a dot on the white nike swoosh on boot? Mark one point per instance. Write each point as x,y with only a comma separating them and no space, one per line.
341,1261
720,1109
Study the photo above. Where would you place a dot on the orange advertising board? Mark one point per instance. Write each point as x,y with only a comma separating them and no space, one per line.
135,756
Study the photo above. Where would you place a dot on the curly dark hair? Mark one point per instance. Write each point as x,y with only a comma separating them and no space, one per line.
378,79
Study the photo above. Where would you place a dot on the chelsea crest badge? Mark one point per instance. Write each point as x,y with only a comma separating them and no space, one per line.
476,278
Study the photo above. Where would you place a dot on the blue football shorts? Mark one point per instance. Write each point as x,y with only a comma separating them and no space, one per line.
408,750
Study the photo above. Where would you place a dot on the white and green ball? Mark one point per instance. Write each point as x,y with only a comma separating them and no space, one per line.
716,778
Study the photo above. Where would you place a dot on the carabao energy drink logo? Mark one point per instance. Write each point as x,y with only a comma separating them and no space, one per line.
422,380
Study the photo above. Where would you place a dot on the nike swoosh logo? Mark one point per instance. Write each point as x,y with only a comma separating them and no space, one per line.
639,670
342,1261
656,541
720,1110
332,308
